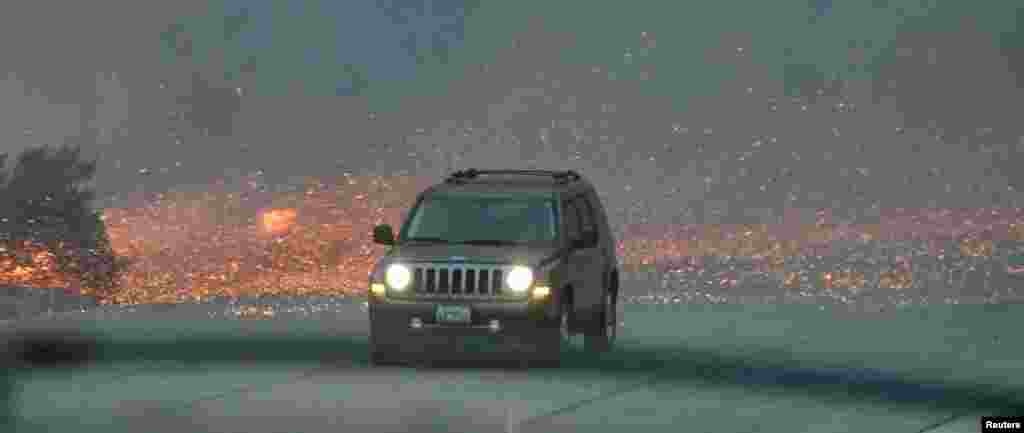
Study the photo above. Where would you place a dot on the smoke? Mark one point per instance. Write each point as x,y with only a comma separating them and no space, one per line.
963,87
727,114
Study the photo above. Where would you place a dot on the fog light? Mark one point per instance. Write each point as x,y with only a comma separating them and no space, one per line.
416,323
541,292
494,325
378,289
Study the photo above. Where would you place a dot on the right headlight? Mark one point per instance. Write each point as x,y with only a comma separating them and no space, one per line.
398,276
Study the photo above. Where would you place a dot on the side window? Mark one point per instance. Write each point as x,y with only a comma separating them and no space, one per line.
572,220
587,220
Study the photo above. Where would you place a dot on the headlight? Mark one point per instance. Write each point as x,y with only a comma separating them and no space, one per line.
398,276
519,278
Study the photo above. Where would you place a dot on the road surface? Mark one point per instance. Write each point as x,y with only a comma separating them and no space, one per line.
699,368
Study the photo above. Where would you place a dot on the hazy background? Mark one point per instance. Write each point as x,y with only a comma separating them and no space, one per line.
679,110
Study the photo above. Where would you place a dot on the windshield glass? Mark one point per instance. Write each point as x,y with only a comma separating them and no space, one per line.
478,219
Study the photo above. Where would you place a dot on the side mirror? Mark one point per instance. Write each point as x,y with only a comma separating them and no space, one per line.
587,240
383,235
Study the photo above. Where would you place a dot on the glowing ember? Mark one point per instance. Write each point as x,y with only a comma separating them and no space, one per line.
278,221
896,279
31,265
791,280
215,243
316,241
201,245
253,312
976,247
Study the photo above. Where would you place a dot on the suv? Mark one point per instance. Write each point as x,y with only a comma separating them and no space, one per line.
521,256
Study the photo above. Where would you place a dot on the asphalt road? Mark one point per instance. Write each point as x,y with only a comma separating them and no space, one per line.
699,368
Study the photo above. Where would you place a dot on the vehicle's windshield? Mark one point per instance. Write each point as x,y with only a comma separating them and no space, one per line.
483,220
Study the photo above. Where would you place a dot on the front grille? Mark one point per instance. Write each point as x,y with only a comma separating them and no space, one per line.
459,280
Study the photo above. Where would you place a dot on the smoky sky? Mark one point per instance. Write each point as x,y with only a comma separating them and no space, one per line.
691,111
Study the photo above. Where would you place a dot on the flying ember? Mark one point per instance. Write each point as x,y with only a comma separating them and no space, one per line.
278,221
316,240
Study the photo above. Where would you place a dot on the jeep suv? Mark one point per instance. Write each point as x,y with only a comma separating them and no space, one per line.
524,257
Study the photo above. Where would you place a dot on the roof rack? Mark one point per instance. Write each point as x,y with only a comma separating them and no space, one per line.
563,176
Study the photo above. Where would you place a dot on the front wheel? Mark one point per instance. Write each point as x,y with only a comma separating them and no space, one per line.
602,338
554,341
382,353
382,358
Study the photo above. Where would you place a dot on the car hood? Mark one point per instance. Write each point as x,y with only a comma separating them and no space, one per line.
523,255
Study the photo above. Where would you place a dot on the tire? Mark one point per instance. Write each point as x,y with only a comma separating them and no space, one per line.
380,355
553,341
381,358
602,337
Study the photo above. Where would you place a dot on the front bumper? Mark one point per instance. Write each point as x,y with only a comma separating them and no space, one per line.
510,316
522,325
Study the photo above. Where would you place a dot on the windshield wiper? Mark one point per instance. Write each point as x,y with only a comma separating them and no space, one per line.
429,240
489,242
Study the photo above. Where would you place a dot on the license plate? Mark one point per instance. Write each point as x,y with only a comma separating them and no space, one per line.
453,314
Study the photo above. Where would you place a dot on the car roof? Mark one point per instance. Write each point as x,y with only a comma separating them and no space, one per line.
514,184
527,188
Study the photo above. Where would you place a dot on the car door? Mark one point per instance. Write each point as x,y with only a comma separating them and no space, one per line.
587,263
572,233
605,239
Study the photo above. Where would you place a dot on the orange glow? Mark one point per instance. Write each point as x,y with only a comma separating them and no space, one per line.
204,244
316,240
253,312
278,221
37,267
791,280
976,247
192,246
897,279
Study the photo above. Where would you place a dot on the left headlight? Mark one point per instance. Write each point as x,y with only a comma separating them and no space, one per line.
398,276
519,279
